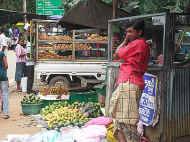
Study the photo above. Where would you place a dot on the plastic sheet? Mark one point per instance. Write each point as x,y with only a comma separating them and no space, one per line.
92,133
99,121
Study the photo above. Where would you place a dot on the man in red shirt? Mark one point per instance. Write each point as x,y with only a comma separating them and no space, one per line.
134,55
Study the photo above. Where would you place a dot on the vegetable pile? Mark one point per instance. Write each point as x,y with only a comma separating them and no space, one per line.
31,99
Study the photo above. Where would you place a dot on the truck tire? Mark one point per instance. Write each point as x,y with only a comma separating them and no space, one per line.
61,80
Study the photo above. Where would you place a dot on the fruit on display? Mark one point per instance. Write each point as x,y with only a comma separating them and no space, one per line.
61,114
45,47
78,46
49,109
31,99
63,47
97,37
65,116
44,36
81,46
50,54
58,116
53,90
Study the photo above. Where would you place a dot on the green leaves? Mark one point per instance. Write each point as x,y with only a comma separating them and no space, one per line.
155,6
139,6
16,5
68,4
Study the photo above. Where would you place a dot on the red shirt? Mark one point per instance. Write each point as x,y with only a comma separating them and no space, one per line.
135,57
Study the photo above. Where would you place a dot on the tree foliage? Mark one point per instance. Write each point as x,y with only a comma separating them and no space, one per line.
68,4
137,6
153,6
16,5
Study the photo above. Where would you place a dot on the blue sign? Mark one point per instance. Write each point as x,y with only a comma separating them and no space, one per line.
147,106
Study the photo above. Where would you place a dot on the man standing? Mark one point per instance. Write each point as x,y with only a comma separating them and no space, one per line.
3,75
3,39
20,51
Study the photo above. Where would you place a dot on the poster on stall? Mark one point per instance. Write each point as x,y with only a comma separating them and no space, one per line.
147,105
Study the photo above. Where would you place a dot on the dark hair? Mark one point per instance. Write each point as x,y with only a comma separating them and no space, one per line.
138,25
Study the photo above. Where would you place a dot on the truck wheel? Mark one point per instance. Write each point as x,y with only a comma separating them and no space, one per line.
59,80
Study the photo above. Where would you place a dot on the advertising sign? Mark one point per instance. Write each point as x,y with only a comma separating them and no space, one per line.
49,7
147,106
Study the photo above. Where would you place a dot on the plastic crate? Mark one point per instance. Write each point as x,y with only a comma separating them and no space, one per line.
100,90
84,96
31,109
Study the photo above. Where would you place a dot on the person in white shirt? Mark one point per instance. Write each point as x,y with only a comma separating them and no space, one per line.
3,39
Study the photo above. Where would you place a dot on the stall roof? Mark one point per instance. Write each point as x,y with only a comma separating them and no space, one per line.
91,13
9,16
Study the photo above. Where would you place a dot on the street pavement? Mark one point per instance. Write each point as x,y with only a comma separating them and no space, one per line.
17,123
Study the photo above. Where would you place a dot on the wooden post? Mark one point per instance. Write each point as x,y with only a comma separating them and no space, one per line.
24,10
115,6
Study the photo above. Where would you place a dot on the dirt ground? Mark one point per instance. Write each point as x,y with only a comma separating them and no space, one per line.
17,123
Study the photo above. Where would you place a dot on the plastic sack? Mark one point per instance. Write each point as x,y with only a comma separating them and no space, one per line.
18,138
67,134
99,121
46,136
91,133
23,84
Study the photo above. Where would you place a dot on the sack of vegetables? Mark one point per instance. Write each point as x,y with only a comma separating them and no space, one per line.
31,104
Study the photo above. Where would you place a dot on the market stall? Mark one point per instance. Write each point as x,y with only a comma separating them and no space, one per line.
165,99
65,121
74,57
73,51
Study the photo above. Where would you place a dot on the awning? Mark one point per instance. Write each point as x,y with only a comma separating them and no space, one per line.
91,13
8,16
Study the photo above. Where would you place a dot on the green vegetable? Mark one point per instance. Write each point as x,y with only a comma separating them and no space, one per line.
31,99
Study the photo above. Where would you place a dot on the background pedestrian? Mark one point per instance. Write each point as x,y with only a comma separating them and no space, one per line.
20,51
4,85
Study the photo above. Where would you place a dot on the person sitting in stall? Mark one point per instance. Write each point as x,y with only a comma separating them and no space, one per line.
134,56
